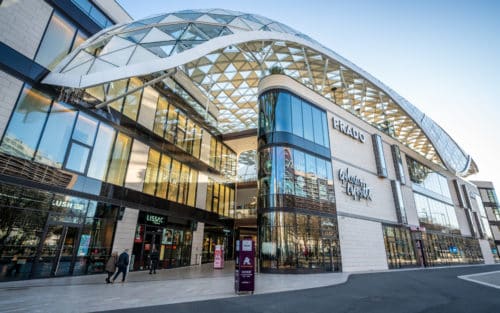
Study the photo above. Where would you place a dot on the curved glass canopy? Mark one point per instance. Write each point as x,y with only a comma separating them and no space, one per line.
224,54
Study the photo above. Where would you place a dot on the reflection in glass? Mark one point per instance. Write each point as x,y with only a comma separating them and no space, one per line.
56,42
77,158
85,129
116,89
174,181
283,114
137,166
26,123
131,106
119,159
163,176
151,172
54,142
101,152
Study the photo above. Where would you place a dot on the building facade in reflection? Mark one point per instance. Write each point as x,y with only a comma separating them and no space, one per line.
187,130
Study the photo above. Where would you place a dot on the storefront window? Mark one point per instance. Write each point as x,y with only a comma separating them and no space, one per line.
399,247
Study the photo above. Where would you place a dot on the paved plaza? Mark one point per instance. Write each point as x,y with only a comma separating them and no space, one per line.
192,288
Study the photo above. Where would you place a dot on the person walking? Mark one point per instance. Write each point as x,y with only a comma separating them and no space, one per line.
111,266
122,265
154,257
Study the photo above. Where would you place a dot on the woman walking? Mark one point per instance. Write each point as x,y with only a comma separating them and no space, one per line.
111,266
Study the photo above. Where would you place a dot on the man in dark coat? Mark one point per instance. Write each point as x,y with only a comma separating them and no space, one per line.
155,257
122,265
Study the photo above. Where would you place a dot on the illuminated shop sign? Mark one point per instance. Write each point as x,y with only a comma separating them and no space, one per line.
348,129
68,205
155,219
354,186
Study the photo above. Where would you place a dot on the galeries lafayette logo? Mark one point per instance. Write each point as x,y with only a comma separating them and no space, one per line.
354,186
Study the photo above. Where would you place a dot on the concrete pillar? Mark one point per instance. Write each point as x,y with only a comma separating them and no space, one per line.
197,246
125,231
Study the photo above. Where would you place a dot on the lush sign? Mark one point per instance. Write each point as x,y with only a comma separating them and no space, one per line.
348,129
354,186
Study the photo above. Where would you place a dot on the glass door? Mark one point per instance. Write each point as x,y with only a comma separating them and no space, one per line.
57,251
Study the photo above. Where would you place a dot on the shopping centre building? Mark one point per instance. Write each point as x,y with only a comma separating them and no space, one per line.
187,130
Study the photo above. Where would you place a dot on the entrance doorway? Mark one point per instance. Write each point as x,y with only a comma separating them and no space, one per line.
57,251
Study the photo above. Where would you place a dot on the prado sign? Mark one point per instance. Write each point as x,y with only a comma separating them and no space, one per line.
354,186
348,129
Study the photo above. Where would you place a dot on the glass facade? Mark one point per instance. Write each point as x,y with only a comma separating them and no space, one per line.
436,215
220,199
425,177
154,111
46,234
441,249
399,247
60,37
63,137
296,202
222,158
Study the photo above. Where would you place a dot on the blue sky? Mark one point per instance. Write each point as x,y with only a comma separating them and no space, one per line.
443,56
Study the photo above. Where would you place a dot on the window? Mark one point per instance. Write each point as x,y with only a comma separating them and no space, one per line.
56,42
151,172
163,176
283,119
77,158
57,133
116,89
26,124
102,152
119,159
296,109
132,101
137,166
378,149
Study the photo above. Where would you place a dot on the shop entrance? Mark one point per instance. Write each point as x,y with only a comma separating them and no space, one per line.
57,251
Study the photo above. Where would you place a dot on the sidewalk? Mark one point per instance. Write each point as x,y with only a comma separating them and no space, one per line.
90,293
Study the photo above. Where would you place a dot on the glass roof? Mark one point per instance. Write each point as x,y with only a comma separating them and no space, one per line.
226,53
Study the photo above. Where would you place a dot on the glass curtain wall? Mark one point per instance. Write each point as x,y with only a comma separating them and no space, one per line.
220,198
222,158
296,204
152,110
56,134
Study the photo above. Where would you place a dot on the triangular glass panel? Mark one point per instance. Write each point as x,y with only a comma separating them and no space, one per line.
161,49
171,19
174,30
156,35
237,22
133,25
253,25
210,30
206,18
275,27
188,16
116,43
135,36
78,70
80,58
265,28
225,31
118,58
225,19
192,33
100,66
152,20
141,55
261,19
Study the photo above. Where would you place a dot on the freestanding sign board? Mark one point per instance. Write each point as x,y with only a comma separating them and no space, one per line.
245,267
219,257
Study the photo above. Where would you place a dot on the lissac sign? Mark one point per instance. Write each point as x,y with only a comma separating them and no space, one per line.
348,129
